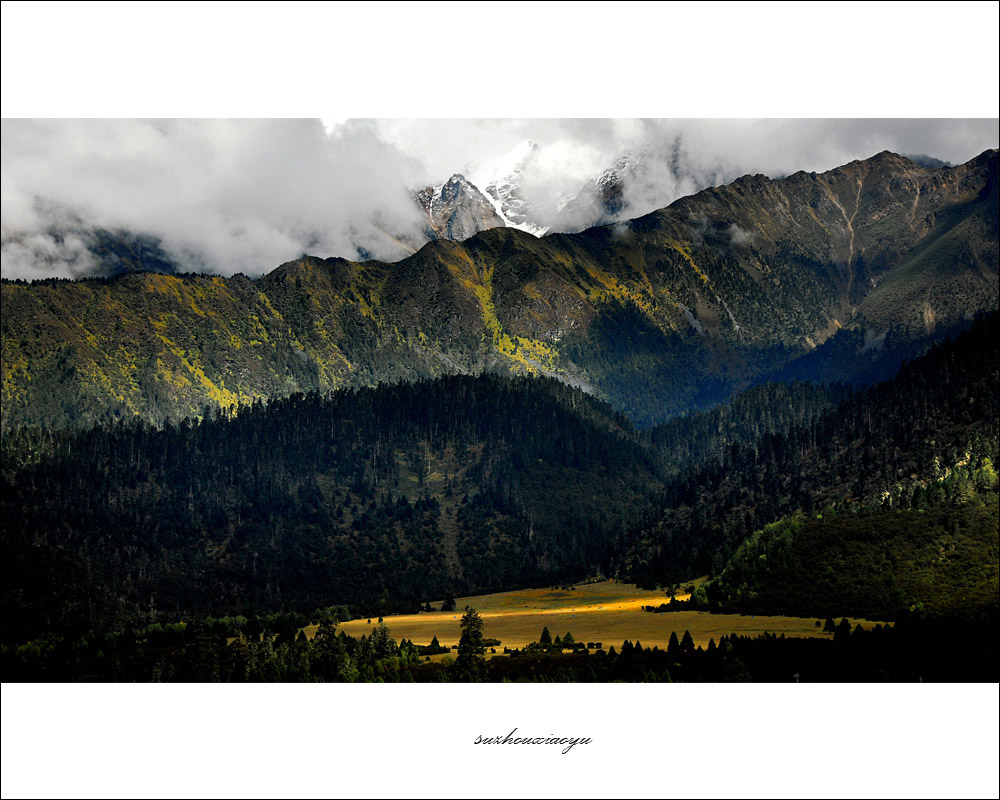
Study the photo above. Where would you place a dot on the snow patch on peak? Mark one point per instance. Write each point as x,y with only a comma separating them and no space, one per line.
501,182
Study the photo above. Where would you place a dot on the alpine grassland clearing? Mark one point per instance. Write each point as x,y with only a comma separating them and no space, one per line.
608,612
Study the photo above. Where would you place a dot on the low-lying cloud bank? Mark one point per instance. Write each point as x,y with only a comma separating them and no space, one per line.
227,196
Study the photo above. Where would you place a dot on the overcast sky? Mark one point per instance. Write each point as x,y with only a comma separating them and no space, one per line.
247,195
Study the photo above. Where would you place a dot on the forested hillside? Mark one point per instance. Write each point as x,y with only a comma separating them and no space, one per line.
939,555
386,497
692,440
382,497
878,448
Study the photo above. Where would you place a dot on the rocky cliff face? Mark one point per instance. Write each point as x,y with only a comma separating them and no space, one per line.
671,311
457,210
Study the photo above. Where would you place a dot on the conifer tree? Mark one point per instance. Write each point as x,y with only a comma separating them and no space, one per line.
471,661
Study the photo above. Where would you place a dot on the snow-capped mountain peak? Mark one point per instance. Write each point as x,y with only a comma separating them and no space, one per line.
502,183
637,182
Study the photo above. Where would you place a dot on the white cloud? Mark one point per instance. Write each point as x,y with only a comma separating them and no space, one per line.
738,236
239,195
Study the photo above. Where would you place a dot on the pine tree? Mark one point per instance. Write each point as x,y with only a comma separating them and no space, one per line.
383,645
471,661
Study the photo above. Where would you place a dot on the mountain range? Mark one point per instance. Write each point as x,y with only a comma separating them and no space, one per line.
504,194
811,276
637,182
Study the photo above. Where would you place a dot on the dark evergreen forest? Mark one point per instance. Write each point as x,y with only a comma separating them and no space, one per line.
935,425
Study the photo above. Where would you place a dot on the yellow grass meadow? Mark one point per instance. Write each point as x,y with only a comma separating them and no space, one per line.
607,611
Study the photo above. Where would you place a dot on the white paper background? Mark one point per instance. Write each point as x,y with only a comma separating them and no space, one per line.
441,60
